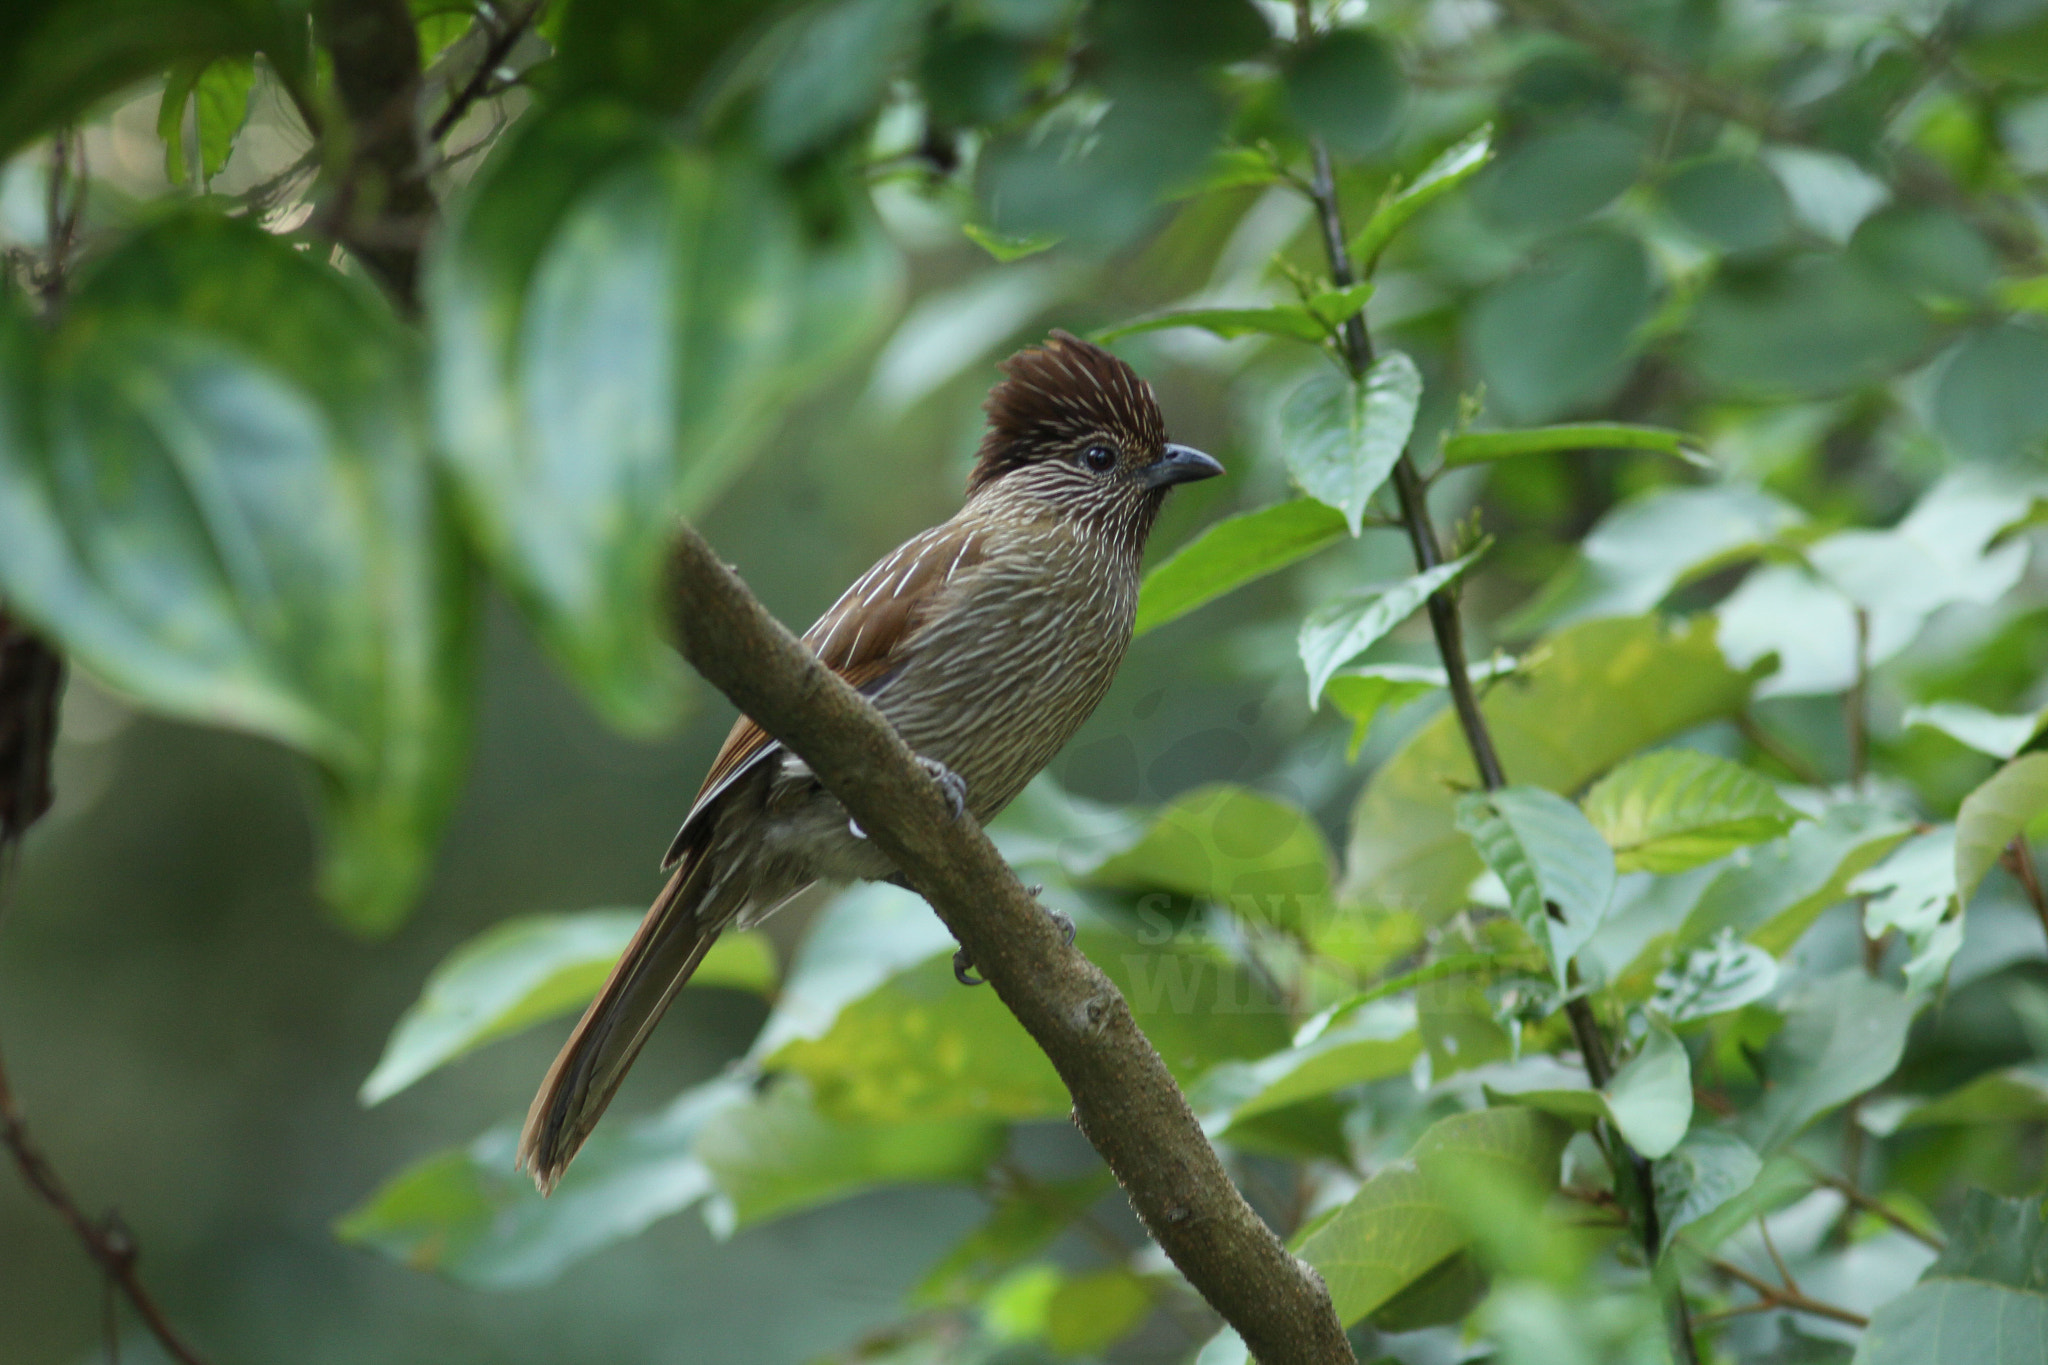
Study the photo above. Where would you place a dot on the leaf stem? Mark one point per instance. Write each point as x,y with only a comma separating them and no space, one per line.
1444,622
1770,1296
1871,1204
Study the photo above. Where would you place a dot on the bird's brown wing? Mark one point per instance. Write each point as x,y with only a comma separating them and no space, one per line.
858,638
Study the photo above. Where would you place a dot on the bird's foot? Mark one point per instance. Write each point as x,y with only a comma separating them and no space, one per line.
963,965
950,782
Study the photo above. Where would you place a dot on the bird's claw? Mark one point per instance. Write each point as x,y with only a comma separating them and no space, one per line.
963,965
950,782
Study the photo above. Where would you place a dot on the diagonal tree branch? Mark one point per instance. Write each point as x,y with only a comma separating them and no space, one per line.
1125,1100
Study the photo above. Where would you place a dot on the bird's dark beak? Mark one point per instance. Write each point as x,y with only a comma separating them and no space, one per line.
1180,464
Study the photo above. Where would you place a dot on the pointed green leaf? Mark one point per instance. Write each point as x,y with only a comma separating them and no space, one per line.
1008,249
1400,1226
1091,1312
1339,631
1650,1097
1342,439
215,494
1701,1174
1362,693
1290,320
1476,447
1995,814
1452,168
1984,731
1558,871
528,969
1233,552
1672,809
1913,892
1843,1034
1714,979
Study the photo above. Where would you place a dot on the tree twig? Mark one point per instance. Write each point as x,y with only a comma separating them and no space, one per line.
1776,749
1871,1204
1125,1101
1446,626
2019,860
1770,1296
479,83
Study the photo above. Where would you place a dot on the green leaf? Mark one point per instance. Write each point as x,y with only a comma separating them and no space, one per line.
1291,320
1232,553
1701,1174
1650,1097
1089,1313
1372,1042
1957,1320
1265,858
834,71
1362,693
1714,979
1587,297
1335,307
1986,732
1339,631
1008,249
1345,86
1995,814
778,1153
2017,1094
1452,168
1342,439
872,1017
1558,871
1476,447
617,321
1913,892
1585,699
1776,890
467,1214
215,495
1643,549
1988,402
2000,1241
1400,1226
1026,1220
529,969
1673,809
219,92
1843,1035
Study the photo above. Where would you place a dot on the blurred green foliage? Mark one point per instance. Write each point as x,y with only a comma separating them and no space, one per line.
1714,332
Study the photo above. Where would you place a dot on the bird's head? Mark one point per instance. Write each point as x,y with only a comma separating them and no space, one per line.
1073,430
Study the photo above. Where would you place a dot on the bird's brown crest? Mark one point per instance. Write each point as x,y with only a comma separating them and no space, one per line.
1056,394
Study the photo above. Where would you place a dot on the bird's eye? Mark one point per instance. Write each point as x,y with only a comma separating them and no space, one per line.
1099,458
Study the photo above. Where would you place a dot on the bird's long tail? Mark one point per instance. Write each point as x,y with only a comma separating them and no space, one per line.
670,943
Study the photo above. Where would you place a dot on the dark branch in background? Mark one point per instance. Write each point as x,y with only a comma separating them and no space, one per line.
31,683
1125,1101
500,46
1450,642
382,203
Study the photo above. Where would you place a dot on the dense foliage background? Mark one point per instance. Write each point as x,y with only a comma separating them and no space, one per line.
342,418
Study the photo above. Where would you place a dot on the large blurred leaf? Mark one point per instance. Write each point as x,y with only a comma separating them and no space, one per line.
1994,815
872,1016
60,57
468,1215
1342,439
1234,552
1591,695
1477,447
1678,808
1701,1174
616,319
214,493
1843,1034
1773,893
1560,175
1363,692
1346,87
1026,1219
834,71
528,969
1734,204
1377,1040
1984,1299
1339,631
1818,324
1990,403
1264,857
1561,334
1985,731
777,1153
1644,548
1400,1226
1558,871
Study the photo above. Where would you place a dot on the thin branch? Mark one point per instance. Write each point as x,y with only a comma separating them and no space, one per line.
1770,1296
1871,1204
479,83
1125,1100
1856,707
1444,623
1777,750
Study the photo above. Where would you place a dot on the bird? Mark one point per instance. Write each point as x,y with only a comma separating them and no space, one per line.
985,641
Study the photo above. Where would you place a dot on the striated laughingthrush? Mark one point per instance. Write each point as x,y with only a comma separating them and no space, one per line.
985,641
